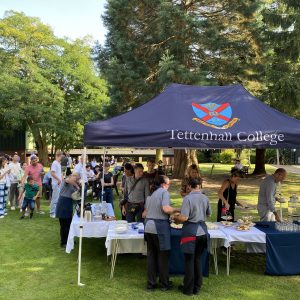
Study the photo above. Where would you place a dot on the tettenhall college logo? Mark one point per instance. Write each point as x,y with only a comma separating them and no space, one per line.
214,115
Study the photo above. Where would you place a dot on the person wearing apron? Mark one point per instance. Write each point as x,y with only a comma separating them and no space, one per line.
157,235
195,208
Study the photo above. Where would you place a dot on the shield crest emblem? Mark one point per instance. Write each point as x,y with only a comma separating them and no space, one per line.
214,115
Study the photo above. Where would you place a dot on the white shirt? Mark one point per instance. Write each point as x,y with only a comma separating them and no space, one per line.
79,169
6,179
56,167
90,174
15,170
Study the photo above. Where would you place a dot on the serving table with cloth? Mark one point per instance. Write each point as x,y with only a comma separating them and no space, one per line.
233,235
282,250
94,229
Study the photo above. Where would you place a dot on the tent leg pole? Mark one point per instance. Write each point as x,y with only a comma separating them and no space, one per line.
277,154
81,216
103,165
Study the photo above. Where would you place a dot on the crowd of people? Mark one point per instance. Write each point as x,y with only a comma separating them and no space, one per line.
144,198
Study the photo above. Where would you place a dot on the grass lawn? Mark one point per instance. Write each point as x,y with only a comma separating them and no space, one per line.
33,266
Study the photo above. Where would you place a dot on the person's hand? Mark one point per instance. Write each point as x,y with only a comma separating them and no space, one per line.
123,210
58,181
277,218
34,198
227,206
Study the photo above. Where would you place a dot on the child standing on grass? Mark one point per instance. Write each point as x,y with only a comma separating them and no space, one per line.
32,191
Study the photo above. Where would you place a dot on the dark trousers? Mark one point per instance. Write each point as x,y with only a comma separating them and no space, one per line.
157,262
192,281
13,195
134,212
64,230
108,196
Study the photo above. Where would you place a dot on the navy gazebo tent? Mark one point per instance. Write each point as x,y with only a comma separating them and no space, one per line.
184,116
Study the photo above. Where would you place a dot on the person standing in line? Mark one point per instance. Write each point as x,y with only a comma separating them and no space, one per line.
137,190
83,177
64,207
192,172
266,196
195,208
69,165
15,168
36,171
56,180
157,234
151,174
107,185
64,164
4,171
20,186
128,172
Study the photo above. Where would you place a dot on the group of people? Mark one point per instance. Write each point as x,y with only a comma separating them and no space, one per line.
145,198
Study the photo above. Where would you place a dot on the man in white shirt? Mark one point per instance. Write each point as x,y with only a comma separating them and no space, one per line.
15,171
83,175
56,177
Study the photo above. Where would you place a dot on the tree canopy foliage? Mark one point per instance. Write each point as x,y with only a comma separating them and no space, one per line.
47,84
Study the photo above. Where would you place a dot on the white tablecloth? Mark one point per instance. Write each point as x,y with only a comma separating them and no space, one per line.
94,229
129,242
253,235
218,238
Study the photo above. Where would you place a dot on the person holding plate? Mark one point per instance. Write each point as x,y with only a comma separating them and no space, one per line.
195,208
157,234
227,196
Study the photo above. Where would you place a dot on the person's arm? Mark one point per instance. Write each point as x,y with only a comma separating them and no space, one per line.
270,197
224,186
24,176
166,205
56,177
147,188
208,210
37,194
185,212
4,173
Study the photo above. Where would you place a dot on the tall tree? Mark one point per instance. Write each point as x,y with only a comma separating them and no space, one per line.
153,43
47,83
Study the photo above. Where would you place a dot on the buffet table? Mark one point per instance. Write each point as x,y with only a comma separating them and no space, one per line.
130,242
282,250
233,235
93,229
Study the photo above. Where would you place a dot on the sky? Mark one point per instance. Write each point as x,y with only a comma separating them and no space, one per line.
68,18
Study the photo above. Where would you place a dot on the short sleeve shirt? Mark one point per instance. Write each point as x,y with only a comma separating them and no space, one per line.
56,167
35,172
196,207
154,203
30,190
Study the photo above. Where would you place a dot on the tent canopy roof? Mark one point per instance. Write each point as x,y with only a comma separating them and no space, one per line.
185,116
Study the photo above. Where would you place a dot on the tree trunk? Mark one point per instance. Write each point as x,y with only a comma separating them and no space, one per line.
158,155
41,146
260,162
182,159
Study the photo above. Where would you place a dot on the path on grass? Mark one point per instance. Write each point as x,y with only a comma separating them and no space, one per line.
290,169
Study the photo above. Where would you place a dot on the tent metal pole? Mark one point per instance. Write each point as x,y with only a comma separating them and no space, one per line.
103,166
81,215
277,153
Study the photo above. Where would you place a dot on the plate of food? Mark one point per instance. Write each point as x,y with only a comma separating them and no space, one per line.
176,226
226,223
243,227
211,226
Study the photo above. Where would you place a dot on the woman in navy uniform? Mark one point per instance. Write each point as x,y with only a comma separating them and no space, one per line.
195,208
157,235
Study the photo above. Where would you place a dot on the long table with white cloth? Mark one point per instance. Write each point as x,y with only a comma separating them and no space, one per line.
95,229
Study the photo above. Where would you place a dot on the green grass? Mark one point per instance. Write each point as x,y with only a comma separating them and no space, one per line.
33,266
